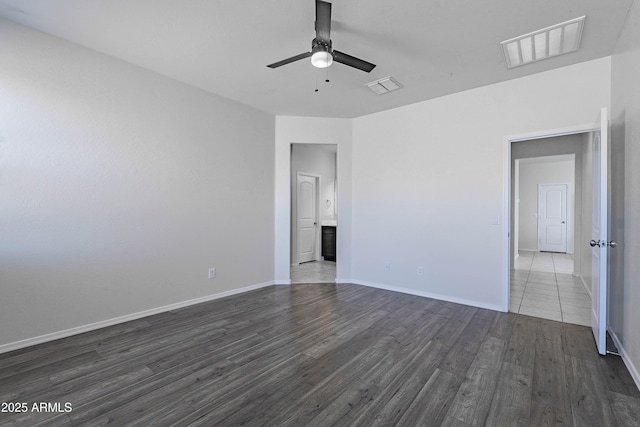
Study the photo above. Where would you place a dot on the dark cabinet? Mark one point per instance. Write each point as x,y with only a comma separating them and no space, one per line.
329,243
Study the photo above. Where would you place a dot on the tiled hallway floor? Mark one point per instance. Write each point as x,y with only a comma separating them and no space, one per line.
314,272
542,285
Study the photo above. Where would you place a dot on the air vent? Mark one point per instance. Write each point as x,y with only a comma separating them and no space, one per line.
542,44
384,85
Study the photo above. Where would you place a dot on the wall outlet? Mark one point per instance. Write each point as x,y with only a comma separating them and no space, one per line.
387,267
212,273
420,271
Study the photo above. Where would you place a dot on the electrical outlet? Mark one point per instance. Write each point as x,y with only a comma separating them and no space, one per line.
420,271
212,273
387,267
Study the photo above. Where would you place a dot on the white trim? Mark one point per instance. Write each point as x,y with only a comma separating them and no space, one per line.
4,348
626,359
569,130
439,297
283,282
586,287
506,224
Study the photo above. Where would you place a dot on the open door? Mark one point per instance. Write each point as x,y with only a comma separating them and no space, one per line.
306,220
599,242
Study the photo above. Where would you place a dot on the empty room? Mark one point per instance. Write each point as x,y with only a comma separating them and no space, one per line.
302,212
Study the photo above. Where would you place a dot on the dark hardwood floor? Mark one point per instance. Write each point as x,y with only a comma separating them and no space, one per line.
323,355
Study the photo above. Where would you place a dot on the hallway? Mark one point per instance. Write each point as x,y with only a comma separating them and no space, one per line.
314,272
542,285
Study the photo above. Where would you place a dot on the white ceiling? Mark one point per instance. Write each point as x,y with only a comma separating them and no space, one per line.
433,47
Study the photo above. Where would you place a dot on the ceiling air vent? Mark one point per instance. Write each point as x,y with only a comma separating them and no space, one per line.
546,43
384,85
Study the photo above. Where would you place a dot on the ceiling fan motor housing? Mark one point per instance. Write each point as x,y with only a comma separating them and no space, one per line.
321,44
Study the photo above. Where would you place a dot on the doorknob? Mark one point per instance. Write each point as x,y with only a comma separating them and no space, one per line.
563,222
594,243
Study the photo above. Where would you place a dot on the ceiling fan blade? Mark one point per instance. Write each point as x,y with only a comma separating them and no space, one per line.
323,21
289,60
352,61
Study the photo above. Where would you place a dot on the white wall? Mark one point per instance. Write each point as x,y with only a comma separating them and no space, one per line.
311,130
120,188
428,180
624,292
319,160
532,175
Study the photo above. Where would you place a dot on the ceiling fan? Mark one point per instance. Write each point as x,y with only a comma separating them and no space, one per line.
322,53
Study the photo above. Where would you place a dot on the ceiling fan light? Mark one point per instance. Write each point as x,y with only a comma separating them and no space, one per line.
321,57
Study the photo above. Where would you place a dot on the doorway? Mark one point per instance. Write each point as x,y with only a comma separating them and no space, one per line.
542,185
314,224
549,272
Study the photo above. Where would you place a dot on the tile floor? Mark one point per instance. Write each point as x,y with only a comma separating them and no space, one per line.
542,285
314,272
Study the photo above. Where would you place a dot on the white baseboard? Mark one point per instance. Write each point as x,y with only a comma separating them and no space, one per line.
4,348
625,358
420,293
586,287
527,250
428,295
282,282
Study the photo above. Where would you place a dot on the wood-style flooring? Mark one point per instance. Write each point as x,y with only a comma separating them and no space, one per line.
321,355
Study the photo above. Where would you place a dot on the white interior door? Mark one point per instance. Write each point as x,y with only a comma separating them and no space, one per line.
552,217
306,217
599,233
515,242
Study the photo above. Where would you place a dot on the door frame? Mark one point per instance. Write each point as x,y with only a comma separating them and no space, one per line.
506,187
294,216
566,212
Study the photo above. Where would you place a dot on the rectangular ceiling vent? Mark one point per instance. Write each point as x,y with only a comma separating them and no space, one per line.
384,85
542,44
